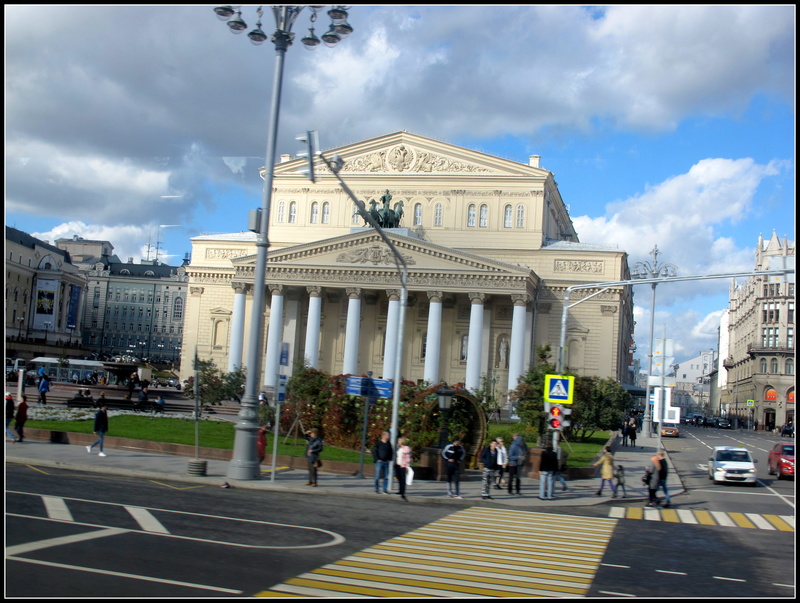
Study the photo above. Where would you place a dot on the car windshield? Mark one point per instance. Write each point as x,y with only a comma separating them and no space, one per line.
737,456
788,451
670,425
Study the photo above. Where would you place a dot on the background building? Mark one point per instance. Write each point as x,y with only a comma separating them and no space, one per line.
760,346
692,378
130,309
490,249
44,292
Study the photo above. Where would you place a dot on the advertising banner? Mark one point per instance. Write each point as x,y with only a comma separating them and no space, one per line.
74,304
46,303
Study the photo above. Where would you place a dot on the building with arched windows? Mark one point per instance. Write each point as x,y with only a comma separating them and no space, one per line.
490,249
757,342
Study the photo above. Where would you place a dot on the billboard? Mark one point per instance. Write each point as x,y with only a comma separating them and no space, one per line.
46,303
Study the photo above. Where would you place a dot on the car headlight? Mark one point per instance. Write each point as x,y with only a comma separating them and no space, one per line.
751,470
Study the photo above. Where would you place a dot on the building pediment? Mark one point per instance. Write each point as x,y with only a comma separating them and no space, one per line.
364,259
405,153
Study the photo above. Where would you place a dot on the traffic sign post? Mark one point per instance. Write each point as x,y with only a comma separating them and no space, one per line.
558,392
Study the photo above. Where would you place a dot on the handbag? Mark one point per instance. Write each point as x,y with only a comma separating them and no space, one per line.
318,463
409,476
646,478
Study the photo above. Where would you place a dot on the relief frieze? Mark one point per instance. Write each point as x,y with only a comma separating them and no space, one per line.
582,266
406,159
224,254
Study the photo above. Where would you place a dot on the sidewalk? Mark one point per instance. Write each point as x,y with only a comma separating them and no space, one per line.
147,465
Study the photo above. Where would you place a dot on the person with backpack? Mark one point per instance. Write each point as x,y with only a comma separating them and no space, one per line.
517,455
453,454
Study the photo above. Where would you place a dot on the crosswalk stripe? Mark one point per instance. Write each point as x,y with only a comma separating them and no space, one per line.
522,559
146,520
57,508
730,519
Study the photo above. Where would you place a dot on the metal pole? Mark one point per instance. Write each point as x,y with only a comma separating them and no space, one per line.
648,416
663,409
244,463
367,402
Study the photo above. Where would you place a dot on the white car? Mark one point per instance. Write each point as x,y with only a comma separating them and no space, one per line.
732,464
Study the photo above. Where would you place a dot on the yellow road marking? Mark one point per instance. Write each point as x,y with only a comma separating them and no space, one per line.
741,520
778,523
670,515
705,518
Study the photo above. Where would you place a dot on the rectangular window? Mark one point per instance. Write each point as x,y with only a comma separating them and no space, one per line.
789,338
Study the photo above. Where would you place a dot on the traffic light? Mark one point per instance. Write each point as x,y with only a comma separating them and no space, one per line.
555,417
565,421
312,145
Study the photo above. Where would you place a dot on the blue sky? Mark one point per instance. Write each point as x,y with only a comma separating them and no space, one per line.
664,125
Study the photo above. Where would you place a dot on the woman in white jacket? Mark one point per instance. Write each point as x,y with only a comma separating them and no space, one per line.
402,463
502,463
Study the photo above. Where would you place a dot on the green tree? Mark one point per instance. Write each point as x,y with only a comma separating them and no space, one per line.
600,405
528,397
216,385
487,396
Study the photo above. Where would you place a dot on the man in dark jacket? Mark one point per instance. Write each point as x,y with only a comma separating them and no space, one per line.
547,472
100,428
382,454
489,460
453,454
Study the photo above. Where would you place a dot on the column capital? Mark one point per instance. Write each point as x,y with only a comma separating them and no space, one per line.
393,294
314,291
435,296
240,287
196,290
521,300
477,298
353,292
275,288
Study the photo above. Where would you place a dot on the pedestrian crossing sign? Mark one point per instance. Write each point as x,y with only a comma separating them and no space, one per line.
558,389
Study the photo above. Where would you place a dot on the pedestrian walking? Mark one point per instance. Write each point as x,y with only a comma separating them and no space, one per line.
547,468
632,433
625,430
489,460
44,387
100,428
620,475
21,417
313,450
606,464
662,476
651,480
10,409
502,463
382,454
517,455
261,444
453,454
403,466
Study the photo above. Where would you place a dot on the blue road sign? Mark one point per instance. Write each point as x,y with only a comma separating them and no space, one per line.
373,388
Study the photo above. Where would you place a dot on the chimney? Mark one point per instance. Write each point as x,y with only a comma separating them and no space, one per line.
533,160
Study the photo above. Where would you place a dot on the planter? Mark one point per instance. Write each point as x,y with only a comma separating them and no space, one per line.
198,468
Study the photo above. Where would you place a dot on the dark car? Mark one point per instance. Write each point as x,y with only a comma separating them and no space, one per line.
724,424
781,460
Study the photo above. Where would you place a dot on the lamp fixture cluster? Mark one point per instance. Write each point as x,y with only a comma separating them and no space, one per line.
284,19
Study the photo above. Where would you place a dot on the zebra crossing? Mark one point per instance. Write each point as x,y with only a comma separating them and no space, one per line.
476,552
756,521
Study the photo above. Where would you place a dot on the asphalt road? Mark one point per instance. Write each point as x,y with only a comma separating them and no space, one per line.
87,535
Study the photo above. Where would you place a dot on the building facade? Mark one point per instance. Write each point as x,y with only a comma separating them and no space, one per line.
44,290
130,309
490,250
692,378
759,365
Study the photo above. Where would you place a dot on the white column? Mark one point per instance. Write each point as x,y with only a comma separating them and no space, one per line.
313,328
433,342
274,337
350,365
475,343
516,355
390,343
237,326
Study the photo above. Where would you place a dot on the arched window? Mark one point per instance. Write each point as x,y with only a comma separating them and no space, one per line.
471,215
326,213
293,212
520,216
773,366
507,216
177,309
763,365
418,214
484,217
281,211
790,366
314,212
438,214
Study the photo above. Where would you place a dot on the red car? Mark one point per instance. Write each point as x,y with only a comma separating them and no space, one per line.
781,460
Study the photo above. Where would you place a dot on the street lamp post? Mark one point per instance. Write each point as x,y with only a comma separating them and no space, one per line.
445,401
47,326
655,270
244,464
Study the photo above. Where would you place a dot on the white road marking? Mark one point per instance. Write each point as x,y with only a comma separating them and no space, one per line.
611,592
617,512
124,575
28,547
670,572
723,519
759,521
146,520
729,579
56,508
686,516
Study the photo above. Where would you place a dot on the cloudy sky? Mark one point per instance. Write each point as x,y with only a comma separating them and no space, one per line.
664,125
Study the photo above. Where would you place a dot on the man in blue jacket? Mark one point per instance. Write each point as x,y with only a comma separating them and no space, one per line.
453,454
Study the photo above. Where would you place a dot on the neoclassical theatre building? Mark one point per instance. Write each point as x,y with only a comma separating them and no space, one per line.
490,249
